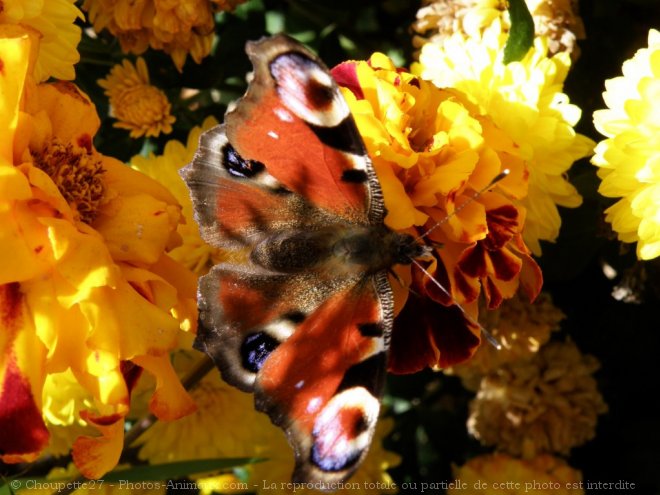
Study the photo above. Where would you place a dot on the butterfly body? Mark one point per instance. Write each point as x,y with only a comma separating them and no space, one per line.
303,319
335,250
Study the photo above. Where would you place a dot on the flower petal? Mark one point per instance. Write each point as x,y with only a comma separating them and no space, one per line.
23,433
428,334
95,456
170,400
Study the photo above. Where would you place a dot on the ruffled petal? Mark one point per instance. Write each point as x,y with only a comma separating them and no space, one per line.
170,400
95,456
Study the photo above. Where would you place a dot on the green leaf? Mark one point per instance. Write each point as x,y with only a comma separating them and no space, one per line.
174,470
521,34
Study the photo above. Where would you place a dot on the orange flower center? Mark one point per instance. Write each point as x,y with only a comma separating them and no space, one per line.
142,105
77,173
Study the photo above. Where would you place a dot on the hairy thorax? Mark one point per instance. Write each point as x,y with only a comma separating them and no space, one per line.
336,250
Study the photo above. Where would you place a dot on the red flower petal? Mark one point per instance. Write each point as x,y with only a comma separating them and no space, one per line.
502,226
345,74
131,372
22,430
23,433
531,277
505,264
428,334
473,261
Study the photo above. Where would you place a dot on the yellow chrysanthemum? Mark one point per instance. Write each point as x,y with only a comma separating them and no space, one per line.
520,327
178,28
548,404
193,252
227,425
629,159
85,282
498,474
524,100
139,107
50,24
432,153
557,20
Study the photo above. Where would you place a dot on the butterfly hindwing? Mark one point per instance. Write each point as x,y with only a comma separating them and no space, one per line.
328,401
244,316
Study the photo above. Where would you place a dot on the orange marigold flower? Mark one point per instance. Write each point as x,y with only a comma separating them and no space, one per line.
86,285
178,28
547,404
140,107
433,152
520,327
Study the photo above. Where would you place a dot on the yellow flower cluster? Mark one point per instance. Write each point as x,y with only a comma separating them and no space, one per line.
521,329
178,28
547,404
628,158
141,108
524,100
88,296
433,153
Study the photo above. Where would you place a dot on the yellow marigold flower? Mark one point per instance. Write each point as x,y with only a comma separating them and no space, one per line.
432,153
628,159
140,107
524,100
85,284
520,327
50,25
497,474
227,425
178,28
548,404
193,252
557,20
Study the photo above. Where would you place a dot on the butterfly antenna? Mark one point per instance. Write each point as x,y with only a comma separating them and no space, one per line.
478,193
489,336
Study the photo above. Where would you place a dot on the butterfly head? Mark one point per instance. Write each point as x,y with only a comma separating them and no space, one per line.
406,248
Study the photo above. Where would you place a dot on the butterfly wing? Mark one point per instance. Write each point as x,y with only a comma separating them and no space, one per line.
236,201
324,384
311,344
315,359
294,118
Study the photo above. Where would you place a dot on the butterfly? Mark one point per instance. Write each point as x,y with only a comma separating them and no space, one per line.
301,312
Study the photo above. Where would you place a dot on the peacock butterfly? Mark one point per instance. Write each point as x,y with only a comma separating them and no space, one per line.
301,314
